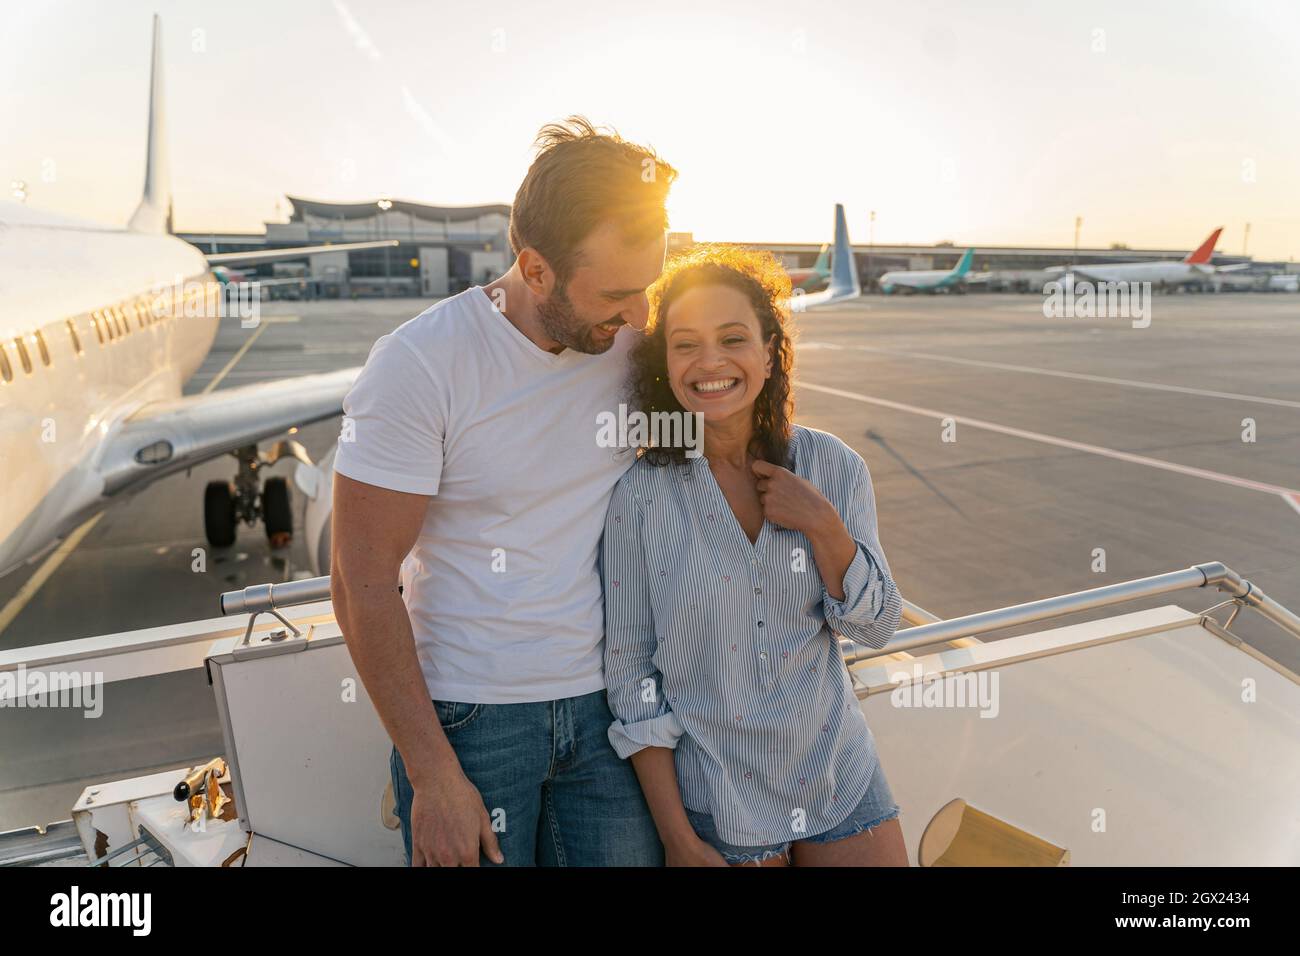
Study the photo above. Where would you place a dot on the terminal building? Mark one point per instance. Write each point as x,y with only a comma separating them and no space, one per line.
441,249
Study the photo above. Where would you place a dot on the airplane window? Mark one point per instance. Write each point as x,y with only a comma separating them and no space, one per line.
40,344
120,317
76,339
6,370
95,324
23,356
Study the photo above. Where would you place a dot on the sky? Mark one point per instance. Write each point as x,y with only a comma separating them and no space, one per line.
992,123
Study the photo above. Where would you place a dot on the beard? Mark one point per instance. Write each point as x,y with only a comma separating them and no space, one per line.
562,324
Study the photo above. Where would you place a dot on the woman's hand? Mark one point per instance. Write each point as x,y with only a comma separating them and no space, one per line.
691,851
794,502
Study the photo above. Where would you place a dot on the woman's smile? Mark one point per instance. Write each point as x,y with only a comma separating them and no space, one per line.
715,387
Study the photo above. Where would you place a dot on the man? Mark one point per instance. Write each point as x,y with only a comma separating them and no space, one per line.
469,472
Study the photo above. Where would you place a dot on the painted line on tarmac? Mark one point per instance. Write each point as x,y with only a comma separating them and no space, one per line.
1290,495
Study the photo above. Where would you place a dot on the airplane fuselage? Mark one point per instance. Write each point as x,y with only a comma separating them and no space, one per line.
91,333
1167,272
919,281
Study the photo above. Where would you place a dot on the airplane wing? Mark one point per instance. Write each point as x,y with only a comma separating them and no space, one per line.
274,255
161,438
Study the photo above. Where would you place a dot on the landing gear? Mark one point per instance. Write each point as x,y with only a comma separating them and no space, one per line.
219,516
277,515
226,504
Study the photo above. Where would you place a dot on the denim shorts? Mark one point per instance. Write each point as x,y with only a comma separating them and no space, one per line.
876,807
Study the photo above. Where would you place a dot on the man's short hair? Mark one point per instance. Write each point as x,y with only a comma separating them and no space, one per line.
580,179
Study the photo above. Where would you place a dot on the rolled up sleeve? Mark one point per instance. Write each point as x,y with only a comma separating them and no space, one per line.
633,683
872,606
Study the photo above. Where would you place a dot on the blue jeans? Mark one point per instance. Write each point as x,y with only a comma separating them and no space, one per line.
876,807
556,791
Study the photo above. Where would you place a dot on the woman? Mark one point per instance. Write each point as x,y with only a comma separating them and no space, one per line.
727,577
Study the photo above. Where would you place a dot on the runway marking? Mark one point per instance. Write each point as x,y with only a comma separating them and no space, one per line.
1290,495
69,544
234,359
47,568
1080,376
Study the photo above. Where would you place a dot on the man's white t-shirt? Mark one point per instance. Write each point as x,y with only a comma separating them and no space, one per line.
502,587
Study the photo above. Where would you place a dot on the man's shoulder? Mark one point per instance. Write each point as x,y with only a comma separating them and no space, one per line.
452,318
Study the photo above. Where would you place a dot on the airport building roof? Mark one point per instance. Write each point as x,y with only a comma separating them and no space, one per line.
365,210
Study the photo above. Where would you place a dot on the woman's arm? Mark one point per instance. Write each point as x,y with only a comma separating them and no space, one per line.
861,600
644,730
658,776
797,504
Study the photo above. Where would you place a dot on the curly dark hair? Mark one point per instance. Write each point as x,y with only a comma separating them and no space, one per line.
764,282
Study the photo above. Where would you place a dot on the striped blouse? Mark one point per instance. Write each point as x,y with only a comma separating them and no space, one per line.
724,650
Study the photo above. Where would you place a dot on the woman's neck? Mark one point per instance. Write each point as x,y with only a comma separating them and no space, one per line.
727,442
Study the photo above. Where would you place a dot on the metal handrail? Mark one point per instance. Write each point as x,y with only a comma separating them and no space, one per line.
270,597
918,615
1212,574
258,598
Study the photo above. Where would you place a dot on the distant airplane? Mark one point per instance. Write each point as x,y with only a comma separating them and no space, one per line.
91,406
814,278
1193,267
844,282
927,280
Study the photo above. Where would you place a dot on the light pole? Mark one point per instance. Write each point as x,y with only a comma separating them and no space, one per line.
385,205
871,245
1078,221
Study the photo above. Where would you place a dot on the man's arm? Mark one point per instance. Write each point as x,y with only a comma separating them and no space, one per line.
373,531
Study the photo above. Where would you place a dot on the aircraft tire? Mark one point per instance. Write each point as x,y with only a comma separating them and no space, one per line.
219,520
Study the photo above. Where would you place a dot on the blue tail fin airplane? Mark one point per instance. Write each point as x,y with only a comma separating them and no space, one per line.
927,280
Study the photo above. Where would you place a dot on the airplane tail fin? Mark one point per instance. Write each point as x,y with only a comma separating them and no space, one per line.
844,270
963,266
822,266
154,214
1205,251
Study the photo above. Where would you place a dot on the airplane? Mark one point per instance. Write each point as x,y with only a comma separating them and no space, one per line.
927,280
844,283
814,278
98,338
1193,267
